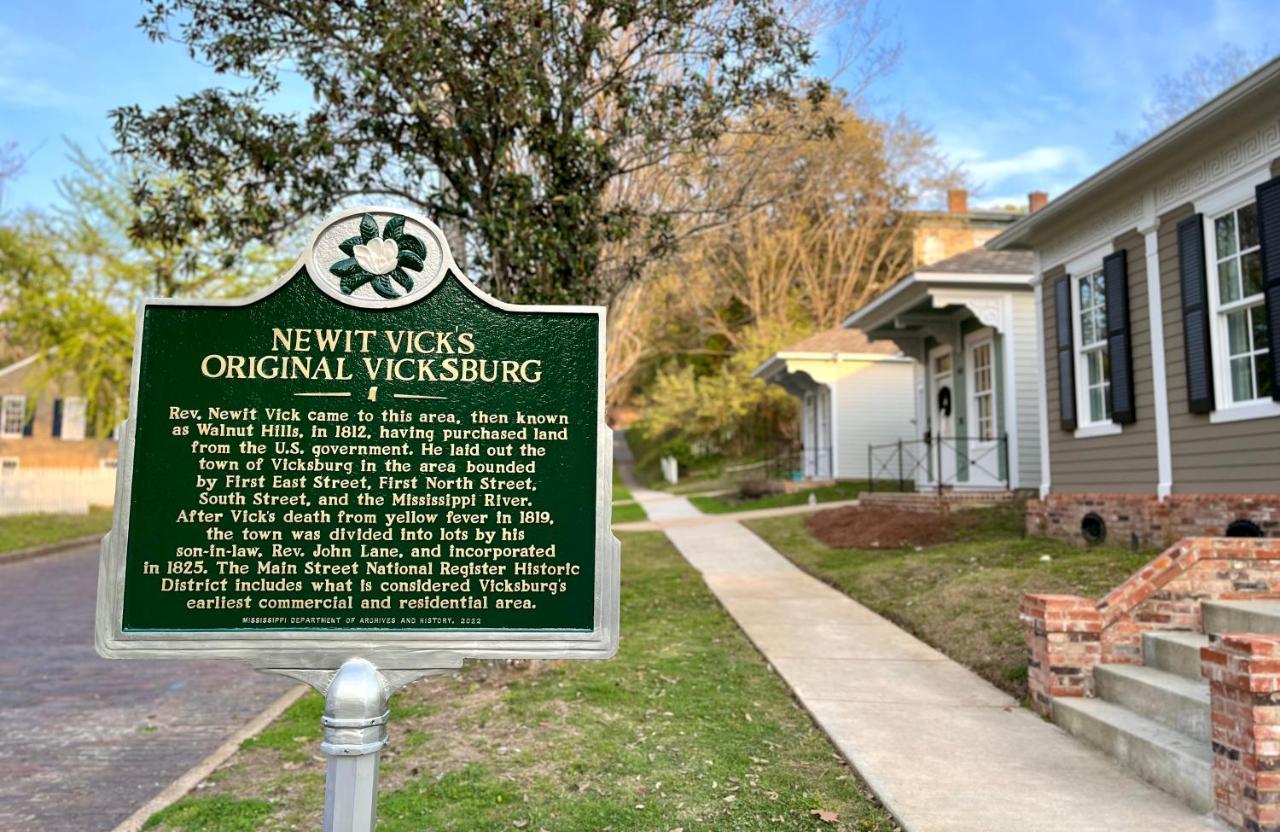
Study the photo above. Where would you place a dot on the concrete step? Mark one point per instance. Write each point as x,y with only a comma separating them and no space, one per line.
1241,616
1166,758
1171,700
1174,651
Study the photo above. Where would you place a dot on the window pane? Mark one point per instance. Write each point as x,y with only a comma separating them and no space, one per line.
1249,225
1100,322
1241,379
1087,333
1252,267
1086,293
1097,404
1100,290
1262,372
1094,365
1238,341
1258,317
1225,235
13,415
73,418
1228,281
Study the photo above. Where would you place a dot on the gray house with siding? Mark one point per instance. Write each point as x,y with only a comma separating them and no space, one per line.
1157,285
968,323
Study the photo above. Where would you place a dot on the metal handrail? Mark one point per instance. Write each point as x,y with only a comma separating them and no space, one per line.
910,458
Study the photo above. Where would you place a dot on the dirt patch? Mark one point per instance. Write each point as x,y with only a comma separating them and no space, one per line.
859,527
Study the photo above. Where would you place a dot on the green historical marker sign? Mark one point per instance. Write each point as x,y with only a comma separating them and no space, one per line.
370,458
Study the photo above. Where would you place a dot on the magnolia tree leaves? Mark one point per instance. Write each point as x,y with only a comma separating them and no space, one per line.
565,142
366,262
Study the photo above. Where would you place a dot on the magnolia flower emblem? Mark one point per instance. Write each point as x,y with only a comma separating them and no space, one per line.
380,258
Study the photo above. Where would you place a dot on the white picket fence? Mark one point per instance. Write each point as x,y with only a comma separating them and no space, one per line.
56,490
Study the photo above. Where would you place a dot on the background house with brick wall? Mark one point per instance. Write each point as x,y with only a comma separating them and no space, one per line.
1157,284
42,423
852,392
48,459
938,235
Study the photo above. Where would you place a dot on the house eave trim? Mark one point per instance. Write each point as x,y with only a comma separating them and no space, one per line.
18,365
1020,234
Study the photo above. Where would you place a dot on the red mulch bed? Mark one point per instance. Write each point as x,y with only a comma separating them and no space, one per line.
856,527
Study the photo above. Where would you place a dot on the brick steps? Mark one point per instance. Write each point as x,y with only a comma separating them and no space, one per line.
1154,719
1175,652
1166,758
1241,616
1131,672
1173,701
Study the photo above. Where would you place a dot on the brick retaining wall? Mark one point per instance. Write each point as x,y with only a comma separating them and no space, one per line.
928,502
1142,519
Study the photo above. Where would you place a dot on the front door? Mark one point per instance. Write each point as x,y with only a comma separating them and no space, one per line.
942,421
823,420
808,435
983,444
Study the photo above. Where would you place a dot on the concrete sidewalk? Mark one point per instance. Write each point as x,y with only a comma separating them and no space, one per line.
944,750
677,514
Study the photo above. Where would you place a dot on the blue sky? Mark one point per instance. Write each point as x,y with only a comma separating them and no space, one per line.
1027,95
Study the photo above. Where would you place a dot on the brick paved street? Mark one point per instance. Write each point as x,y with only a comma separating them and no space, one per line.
87,741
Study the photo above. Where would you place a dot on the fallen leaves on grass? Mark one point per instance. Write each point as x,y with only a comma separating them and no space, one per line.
825,816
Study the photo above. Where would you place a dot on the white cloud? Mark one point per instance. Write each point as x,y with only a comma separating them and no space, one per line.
1041,161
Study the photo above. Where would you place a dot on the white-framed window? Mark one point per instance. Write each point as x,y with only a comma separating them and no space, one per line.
13,415
1242,361
984,391
74,410
1093,359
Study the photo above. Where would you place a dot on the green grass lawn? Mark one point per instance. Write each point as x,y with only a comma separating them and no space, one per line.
724,503
628,513
22,531
686,729
961,597
620,490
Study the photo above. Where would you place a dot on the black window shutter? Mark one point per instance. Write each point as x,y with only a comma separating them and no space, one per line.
28,427
57,417
1269,234
1195,314
1115,273
1066,353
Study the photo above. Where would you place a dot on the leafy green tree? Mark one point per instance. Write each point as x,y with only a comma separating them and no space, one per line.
74,278
85,336
520,121
838,231
723,410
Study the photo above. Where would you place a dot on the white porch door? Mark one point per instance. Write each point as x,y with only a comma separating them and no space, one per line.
823,420
983,440
943,449
808,435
